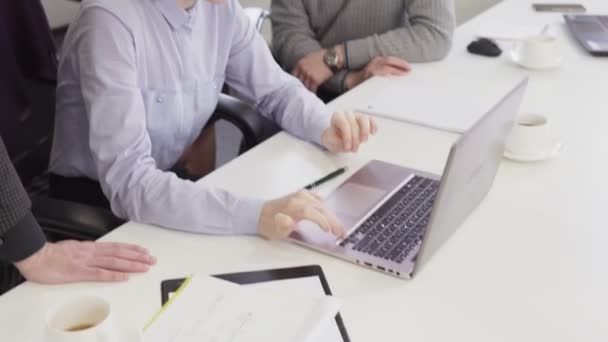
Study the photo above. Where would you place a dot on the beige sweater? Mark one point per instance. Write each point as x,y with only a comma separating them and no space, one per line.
415,30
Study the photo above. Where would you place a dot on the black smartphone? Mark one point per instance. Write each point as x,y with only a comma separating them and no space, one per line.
559,8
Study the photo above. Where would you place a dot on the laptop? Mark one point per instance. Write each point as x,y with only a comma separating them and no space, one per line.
397,217
591,31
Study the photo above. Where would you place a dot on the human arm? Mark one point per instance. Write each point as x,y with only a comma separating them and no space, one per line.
425,36
23,243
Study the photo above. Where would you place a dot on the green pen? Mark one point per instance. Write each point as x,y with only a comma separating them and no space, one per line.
326,178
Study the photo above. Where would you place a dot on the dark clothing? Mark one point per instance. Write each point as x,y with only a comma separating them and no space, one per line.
27,52
20,234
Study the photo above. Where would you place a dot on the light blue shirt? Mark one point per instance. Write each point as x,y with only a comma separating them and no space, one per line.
138,80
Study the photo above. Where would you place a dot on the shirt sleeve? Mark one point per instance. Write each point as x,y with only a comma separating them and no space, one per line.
121,147
426,35
253,73
20,234
292,36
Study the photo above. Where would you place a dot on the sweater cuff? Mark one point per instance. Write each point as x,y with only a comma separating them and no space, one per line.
335,84
247,215
358,53
23,240
300,51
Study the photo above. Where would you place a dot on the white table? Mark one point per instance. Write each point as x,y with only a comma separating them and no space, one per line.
528,265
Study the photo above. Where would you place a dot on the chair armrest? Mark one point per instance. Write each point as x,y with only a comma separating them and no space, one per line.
70,220
254,127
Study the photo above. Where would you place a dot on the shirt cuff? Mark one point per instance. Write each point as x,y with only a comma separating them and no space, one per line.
23,240
318,126
358,53
247,214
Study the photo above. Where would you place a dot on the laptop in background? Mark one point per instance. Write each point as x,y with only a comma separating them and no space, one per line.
591,31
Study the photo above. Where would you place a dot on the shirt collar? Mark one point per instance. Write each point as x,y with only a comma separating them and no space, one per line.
176,16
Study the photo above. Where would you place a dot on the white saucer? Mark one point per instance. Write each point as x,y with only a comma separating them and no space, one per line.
528,158
123,334
549,66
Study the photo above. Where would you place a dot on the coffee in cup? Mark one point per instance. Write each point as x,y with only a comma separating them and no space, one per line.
83,319
531,136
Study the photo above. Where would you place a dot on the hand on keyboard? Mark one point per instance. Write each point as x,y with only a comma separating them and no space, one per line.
280,217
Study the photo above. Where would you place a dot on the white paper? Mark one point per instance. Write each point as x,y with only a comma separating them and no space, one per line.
213,310
427,105
436,102
310,287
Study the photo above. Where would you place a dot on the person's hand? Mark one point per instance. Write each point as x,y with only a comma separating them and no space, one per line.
74,261
280,217
347,131
378,66
312,71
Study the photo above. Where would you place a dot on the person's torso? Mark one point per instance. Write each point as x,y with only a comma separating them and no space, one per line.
336,21
180,70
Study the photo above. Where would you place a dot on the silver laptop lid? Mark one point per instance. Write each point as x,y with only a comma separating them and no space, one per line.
470,171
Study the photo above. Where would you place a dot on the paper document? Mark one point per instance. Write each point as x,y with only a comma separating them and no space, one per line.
309,287
440,103
212,310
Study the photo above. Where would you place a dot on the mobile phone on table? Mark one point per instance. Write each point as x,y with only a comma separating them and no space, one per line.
559,8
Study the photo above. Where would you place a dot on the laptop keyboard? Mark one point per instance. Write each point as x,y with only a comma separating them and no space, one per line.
397,227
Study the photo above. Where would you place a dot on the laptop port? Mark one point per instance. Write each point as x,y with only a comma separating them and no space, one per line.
381,268
368,264
390,270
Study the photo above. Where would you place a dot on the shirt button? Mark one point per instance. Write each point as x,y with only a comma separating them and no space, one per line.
160,99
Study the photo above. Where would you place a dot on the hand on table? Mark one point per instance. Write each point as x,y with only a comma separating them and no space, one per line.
347,131
74,261
312,71
379,66
280,217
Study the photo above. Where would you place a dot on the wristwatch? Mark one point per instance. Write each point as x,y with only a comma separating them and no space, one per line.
331,59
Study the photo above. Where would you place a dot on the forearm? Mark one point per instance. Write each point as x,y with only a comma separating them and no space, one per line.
292,36
253,73
426,36
151,196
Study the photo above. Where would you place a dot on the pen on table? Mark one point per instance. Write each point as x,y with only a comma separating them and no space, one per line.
326,178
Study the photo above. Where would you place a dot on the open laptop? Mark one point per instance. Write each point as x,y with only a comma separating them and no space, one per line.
398,217
591,31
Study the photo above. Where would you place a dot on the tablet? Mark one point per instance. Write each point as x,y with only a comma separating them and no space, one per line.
168,287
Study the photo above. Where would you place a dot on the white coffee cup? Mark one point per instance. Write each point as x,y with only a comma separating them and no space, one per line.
83,319
538,52
531,136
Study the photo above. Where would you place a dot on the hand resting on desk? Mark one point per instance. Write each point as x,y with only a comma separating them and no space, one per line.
74,261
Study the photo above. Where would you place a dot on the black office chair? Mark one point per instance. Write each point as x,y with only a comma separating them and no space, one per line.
27,121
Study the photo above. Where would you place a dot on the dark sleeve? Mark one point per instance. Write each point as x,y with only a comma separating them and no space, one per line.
20,234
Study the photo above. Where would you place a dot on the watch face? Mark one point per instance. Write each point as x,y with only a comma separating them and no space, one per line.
331,58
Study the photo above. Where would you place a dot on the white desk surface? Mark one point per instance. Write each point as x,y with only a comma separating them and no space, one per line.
528,265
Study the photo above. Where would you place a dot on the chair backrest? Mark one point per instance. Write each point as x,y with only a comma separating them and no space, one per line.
257,16
28,66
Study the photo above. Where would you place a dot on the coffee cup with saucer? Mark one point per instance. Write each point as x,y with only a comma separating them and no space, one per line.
538,52
532,140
